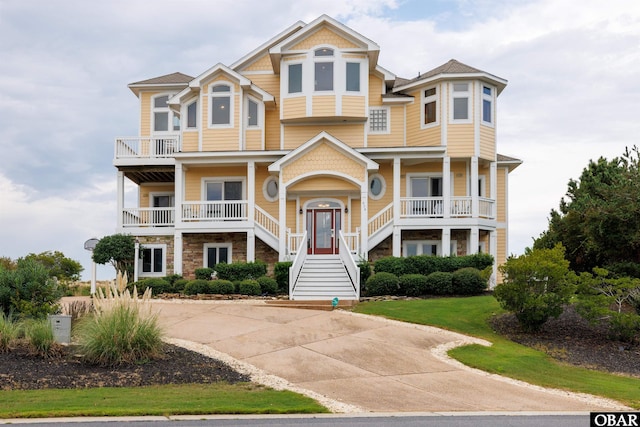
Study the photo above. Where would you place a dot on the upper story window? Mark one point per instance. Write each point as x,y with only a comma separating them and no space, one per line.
295,78
163,118
353,77
460,102
323,77
192,115
221,105
430,106
487,105
253,113
379,120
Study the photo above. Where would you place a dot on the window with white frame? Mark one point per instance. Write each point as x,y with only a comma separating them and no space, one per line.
221,105
216,253
481,186
353,77
379,120
227,191
323,77
253,113
460,105
295,78
377,186
427,247
487,105
430,106
153,257
163,118
192,115
270,189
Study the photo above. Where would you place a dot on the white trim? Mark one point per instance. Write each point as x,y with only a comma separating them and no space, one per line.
206,246
387,129
215,179
468,94
429,99
265,184
231,94
152,195
170,114
260,113
185,114
152,246
491,98
383,189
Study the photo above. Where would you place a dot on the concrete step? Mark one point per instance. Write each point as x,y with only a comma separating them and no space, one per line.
312,304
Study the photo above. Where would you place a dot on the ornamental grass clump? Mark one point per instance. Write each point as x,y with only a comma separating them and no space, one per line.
123,329
39,335
8,332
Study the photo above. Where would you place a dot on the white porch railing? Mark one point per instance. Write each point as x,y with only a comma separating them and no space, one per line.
420,207
486,207
350,265
298,262
461,206
148,217
266,221
147,147
380,219
224,210
352,241
294,240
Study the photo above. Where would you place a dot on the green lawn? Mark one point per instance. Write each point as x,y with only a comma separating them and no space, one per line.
469,316
242,398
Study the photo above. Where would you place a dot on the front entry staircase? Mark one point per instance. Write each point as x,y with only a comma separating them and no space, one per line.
323,277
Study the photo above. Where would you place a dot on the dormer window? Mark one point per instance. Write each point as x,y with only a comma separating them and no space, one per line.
323,71
163,118
221,105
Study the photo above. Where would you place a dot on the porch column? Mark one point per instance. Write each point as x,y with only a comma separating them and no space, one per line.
282,219
493,191
475,211
446,241
396,244
177,252
446,187
364,215
120,199
251,204
493,250
251,245
178,194
474,240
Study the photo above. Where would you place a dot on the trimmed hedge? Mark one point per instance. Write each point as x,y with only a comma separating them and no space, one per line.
382,284
427,264
221,286
468,281
249,287
268,285
413,285
158,285
197,286
241,270
440,283
281,274
204,273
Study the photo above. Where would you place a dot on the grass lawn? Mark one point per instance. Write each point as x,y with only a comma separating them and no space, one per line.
243,398
470,316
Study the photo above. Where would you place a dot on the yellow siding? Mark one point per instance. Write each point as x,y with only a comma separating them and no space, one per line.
193,178
502,249
323,157
487,142
427,167
460,140
294,108
459,171
267,82
416,136
292,216
189,141
253,139
323,106
487,180
262,174
295,58
323,36
395,138
375,91
145,113
270,83
355,215
375,206
324,183
352,135
502,195
144,190
353,106
261,64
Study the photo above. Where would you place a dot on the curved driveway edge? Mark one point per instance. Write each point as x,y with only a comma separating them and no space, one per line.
352,362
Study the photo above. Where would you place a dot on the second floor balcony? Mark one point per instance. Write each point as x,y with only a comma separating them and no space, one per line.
147,149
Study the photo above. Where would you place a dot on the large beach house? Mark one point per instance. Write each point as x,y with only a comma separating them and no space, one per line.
308,150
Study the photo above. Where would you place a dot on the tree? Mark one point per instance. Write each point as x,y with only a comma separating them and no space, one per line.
118,250
536,286
7,263
64,269
598,221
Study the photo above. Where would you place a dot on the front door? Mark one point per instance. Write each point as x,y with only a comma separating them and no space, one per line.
323,226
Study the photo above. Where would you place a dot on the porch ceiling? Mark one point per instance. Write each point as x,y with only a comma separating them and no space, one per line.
149,174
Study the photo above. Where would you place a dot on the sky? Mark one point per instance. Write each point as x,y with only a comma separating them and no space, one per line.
573,68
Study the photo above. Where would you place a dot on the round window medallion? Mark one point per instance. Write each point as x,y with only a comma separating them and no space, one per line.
270,188
377,186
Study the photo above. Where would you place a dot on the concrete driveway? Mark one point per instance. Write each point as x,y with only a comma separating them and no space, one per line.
369,363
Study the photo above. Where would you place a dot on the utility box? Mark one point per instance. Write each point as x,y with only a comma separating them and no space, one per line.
61,325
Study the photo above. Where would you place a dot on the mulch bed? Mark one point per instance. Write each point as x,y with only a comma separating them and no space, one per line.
22,370
571,339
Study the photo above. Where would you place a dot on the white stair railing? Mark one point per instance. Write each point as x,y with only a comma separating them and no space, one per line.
298,262
382,218
267,222
350,265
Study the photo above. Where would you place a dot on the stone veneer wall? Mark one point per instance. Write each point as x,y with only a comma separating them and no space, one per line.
385,248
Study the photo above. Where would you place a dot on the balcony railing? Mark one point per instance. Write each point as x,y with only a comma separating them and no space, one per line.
147,147
225,210
433,207
148,217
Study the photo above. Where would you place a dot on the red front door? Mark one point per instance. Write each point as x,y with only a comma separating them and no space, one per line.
323,231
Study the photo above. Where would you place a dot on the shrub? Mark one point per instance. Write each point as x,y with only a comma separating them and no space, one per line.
8,332
178,285
39,335
173,278
382,284
393,265
468,281
158,285
223,287
421,264
204,273
413,285
249,287
479,261
440,283
197,286
268,285
241,270
281,274
365,270
625,327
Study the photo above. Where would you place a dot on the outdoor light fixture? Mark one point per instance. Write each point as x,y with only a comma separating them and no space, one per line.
300,211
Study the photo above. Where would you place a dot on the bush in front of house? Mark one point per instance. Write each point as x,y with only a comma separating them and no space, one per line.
178,285
197,286
427,264
268,285
249,287
440,283
204,273
390,264
413,285
281,274
241,270
468,281
382,284
158,285
220,286
365,270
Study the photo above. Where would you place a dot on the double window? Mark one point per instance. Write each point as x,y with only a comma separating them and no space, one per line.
460,105
427,247
163,118
216,253
221,105
225,192
153,260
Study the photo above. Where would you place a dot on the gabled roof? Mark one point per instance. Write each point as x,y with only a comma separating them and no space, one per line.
510,162
453,69
333,141
173,81
264,48
366,45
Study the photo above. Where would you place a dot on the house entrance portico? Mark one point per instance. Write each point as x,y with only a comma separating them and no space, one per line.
323,222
